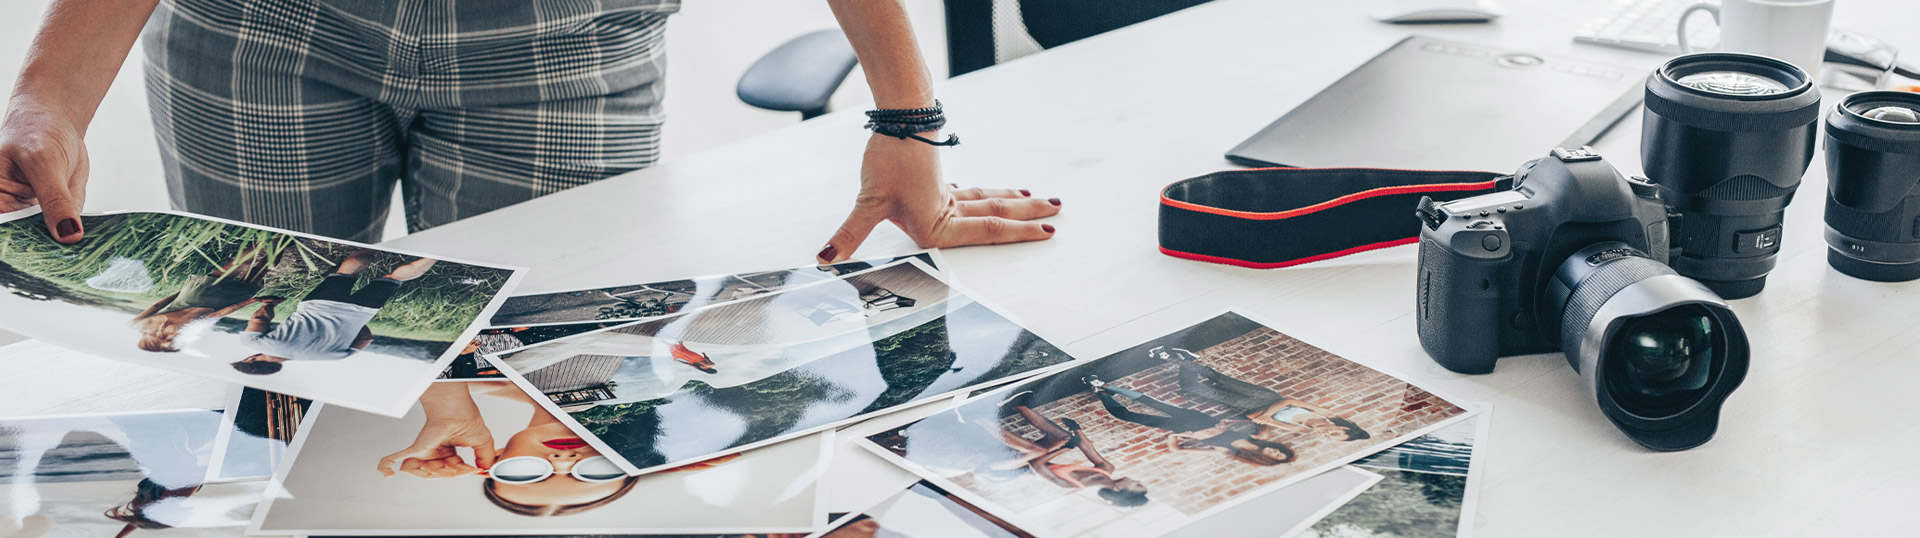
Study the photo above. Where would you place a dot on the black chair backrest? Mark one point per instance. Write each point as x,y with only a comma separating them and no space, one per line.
975,41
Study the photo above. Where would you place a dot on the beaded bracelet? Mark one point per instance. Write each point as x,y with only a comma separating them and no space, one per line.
909,123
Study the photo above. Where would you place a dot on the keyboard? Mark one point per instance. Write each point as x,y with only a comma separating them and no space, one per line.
1648,26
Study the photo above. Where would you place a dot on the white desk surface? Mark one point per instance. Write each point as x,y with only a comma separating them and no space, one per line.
1814,444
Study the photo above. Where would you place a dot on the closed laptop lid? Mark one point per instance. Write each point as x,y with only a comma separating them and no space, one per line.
1432,104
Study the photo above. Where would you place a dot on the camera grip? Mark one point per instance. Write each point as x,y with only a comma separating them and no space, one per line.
1458,307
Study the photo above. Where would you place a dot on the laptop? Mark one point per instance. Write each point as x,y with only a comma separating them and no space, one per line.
1433,104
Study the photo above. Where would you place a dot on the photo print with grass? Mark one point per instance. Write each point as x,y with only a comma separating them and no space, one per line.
117,474
723,379
480,457
337,322
636,302
1427,490
1166,433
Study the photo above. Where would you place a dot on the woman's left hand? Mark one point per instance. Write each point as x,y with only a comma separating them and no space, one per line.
900,182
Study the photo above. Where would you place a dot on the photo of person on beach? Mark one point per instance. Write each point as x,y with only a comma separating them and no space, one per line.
118,474
335,322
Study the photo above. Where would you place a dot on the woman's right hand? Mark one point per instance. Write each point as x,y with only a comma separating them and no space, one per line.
433,455
453,421
43,161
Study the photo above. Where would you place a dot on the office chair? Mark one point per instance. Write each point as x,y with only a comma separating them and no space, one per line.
802,74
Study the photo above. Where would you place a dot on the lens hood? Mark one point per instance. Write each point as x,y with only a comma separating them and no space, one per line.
1613,288
1798,104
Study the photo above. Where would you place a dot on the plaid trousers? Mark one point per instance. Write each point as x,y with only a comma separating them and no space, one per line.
304,114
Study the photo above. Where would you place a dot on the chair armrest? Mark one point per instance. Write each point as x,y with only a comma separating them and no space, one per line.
800,75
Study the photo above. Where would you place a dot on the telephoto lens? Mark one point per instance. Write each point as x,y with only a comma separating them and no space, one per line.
1727,137
1658,351
1873,186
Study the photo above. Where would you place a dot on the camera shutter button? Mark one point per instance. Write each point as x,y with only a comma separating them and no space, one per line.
1642,187
1491,242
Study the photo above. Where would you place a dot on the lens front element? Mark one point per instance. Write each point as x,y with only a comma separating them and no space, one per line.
1661,363
1893,114
1732,83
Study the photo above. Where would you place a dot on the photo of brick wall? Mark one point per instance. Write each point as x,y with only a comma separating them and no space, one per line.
1183,478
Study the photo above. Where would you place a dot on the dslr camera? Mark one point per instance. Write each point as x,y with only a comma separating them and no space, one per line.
1574,258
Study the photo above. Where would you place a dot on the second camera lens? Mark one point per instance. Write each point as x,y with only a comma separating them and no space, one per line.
1727,137
1873,186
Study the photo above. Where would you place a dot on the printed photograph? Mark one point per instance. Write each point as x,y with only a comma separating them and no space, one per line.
481,458
658,299
1423,494
123,474
336,322
729,535
685,388
1165,433
1287,512
258,426
923,510
471,364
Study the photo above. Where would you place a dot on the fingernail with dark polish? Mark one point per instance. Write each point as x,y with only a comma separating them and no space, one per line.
69,227
829,252
1047,227
1054,201
1023,192
954,185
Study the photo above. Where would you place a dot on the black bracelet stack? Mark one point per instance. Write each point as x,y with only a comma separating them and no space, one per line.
909,123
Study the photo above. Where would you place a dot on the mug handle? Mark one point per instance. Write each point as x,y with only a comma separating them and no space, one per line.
1684,15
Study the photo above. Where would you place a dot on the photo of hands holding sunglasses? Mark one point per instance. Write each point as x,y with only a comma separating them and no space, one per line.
543,469
493,462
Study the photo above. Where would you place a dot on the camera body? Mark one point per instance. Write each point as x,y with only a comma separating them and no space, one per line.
1486,278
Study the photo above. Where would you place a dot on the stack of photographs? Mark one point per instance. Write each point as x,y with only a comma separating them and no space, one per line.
392,394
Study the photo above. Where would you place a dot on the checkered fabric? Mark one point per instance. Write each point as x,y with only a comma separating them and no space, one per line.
303,114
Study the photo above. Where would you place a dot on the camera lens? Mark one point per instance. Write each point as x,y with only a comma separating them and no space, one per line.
1873,168
1727,137
1658,351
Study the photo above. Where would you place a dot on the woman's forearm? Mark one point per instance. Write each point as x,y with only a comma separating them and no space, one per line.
882,37
77,53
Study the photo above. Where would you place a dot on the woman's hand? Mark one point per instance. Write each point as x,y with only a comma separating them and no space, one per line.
453,421
43,161
433,454
900,182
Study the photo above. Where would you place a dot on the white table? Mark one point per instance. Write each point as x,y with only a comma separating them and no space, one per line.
1812,444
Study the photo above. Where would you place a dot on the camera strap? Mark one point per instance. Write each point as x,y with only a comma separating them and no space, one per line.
1268,218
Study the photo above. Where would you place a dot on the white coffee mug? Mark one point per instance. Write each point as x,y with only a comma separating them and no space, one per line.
1791,30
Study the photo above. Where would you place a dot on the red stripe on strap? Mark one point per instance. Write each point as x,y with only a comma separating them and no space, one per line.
1347,199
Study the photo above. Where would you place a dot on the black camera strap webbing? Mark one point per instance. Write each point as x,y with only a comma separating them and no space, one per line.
1268,218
